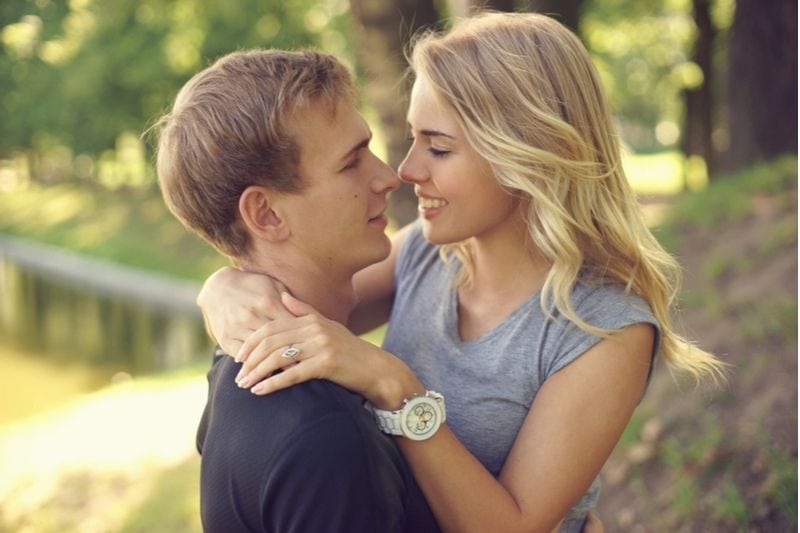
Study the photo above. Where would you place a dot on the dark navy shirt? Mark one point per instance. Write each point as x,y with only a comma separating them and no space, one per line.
306,459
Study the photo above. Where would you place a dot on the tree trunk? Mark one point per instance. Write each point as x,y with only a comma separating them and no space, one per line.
383,31
762,83
699,100
466,8
565,11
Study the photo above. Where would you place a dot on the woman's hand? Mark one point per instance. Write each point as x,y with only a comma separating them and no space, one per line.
327,351
236,303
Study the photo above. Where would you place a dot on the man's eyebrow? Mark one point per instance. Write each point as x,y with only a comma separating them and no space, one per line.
362,144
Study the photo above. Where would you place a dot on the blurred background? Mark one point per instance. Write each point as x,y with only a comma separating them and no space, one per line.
103,354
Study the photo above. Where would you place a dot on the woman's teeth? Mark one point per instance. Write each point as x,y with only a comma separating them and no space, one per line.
431,203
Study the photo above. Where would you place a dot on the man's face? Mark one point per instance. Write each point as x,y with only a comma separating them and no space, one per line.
338,220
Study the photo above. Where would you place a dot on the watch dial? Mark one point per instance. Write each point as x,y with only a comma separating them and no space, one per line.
421,418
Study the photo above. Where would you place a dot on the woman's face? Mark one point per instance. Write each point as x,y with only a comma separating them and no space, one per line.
459,197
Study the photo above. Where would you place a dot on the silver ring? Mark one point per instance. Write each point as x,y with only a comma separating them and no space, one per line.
291,353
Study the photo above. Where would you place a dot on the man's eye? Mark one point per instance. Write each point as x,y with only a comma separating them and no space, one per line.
352,164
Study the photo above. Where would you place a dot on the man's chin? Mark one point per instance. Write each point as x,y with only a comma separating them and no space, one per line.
380,252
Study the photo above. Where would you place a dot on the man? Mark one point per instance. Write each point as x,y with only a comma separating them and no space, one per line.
265,156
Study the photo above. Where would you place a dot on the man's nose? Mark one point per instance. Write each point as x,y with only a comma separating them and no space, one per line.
386,179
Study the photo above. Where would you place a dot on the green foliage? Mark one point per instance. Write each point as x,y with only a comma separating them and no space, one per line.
98,222
79,74
643,53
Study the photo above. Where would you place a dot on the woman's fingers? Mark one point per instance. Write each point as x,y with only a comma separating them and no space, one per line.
295,306
269,357
291,375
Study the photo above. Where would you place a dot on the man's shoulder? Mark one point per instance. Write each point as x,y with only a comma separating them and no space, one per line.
287,410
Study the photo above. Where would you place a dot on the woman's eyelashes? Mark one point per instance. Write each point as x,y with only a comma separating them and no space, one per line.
437,152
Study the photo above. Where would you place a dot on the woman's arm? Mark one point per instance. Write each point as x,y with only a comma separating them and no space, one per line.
573,425
374,287
236,303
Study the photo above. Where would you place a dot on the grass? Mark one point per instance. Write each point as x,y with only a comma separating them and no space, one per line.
730,199
114,457
132,227
172,503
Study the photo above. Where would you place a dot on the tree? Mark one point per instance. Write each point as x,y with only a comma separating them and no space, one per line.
384,30
699,101
565,11
762,83
465,8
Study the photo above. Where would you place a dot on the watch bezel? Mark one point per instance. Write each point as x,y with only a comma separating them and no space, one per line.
435,405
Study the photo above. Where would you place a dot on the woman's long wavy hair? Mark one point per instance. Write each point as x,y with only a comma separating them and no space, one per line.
530,102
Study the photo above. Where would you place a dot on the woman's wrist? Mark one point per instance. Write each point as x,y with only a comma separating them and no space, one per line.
394,383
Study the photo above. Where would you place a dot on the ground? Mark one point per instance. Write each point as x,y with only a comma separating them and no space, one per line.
722,458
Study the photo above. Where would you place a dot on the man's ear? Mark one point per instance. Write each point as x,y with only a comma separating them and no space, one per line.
256,207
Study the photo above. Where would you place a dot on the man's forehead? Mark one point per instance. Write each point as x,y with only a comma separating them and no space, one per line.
327,131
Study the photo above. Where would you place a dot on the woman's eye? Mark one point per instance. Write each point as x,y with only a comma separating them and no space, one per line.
438,153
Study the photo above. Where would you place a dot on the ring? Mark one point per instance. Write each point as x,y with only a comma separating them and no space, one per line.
291,353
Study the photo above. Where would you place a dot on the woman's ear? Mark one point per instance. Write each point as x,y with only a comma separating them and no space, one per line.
256,207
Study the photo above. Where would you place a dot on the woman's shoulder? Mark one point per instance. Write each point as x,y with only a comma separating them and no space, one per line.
609,304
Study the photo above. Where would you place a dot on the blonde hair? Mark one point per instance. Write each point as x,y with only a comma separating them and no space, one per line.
229,128
530,102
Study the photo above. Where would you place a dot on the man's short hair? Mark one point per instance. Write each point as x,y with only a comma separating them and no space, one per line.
230,128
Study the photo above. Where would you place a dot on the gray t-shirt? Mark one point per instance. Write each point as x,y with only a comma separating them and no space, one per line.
489,383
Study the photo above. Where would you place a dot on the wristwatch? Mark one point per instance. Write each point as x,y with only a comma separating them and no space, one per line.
418,419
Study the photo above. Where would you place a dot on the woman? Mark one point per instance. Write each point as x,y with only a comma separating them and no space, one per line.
539,322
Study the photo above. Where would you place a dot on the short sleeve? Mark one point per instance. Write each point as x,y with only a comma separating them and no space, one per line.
608,307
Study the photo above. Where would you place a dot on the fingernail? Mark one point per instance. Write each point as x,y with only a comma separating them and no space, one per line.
240,375
245,382
258,389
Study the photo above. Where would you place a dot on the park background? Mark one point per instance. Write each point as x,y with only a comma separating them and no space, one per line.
102,354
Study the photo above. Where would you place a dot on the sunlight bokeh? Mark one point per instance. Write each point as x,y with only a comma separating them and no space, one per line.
113,443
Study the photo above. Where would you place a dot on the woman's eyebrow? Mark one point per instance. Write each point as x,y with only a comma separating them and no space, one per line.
433,133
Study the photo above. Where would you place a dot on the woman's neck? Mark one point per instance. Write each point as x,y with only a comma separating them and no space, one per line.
507,262
507,270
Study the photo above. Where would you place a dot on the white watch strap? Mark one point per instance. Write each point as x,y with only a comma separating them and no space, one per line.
388,421
391,421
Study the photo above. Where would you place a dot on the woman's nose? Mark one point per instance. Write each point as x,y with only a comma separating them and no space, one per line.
410,170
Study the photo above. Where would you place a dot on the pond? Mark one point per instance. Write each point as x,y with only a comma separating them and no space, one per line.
72,309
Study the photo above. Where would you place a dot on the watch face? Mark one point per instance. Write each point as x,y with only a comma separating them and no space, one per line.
422,417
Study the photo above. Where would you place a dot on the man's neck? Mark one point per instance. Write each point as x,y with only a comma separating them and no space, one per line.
333,296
